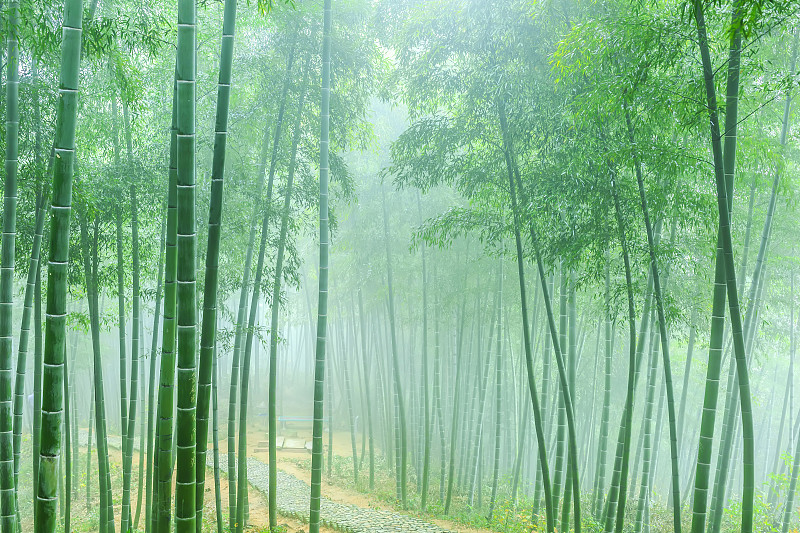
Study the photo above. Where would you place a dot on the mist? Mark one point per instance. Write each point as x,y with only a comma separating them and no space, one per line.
419,266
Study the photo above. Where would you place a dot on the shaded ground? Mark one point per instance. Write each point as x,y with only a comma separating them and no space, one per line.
342,509
288,462
294,496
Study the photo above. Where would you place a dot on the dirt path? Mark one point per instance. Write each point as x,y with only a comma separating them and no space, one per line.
341,510
287,462
258,507
294,497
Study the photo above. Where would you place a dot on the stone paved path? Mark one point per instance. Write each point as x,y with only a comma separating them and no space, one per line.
293,500
294,496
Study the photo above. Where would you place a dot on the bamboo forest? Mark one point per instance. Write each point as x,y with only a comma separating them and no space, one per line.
424,266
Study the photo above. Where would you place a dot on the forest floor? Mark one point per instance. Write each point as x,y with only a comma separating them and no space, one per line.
84,512
348,509
297,463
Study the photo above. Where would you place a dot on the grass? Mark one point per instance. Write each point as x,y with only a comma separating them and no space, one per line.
507,518
517,518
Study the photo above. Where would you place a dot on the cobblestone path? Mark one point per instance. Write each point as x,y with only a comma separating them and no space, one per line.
294,495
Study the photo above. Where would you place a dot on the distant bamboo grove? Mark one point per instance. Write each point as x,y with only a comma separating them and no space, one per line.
516,265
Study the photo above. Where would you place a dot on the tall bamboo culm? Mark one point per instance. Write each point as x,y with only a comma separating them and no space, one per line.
57,267
185,419
209,325
8,507
322,303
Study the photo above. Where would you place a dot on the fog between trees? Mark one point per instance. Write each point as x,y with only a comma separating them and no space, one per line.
516,265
